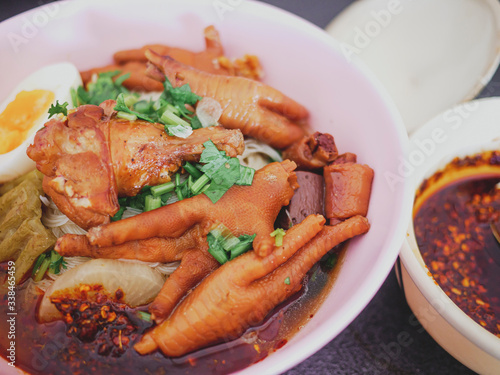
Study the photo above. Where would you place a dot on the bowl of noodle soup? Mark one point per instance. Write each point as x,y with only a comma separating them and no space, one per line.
299,59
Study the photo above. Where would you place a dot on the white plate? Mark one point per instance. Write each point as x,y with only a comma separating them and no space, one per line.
429,54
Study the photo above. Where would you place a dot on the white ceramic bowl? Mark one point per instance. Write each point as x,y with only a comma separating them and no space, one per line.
461,131
299,59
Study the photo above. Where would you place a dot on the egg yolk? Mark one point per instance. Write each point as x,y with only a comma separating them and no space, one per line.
20,115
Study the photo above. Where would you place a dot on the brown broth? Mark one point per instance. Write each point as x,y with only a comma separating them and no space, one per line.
48,349
452,227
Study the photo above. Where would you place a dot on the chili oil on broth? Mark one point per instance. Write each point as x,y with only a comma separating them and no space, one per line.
452,215
54,349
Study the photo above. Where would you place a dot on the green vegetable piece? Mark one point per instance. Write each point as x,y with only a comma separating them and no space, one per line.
195,123
180,131
200,184
278,235
215,249
170,118
58,108
152,203
210,152
103,89
42,270
223,179
180,96
74,97
192,170
144,107
162,189
246,176
122,107
245,244
56,261
126,116
330,261
38,263
144,315
119,214
287,281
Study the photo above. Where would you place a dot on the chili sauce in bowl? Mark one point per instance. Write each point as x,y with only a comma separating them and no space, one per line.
453,212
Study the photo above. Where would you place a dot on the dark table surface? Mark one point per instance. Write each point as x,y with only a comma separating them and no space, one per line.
360,347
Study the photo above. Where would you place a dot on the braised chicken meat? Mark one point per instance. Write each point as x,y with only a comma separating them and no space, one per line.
92,157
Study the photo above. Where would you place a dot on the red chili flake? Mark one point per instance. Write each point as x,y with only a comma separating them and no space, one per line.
452,227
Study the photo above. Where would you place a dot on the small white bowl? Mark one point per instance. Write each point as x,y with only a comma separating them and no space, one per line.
430,55
458,132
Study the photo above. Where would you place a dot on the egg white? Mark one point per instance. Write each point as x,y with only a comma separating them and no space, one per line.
58,78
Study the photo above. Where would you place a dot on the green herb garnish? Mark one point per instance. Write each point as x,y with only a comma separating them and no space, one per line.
48,262
287,281
144,315
102,89
223,171
224,246
278,235
58,108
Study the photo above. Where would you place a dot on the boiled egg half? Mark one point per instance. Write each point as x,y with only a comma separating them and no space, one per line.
25,110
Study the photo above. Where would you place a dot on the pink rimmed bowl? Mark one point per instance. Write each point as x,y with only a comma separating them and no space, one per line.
299,59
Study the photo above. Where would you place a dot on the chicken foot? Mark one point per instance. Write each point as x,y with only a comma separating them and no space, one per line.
223,305
258,110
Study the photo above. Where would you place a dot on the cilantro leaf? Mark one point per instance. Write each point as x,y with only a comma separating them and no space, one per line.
210,152
180,96
58,108
222,179
102,89
195,123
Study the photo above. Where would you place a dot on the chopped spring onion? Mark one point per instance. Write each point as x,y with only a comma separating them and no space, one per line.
38,263
130,100
56,261
199,184
143,106
245,244
119,214
224,246
278,235
144,315
41,271
170,118
215,249
287,281
192,170
152,203
162,189
126,116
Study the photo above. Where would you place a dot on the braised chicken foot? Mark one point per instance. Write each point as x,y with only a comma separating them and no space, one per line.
258,110
223,305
